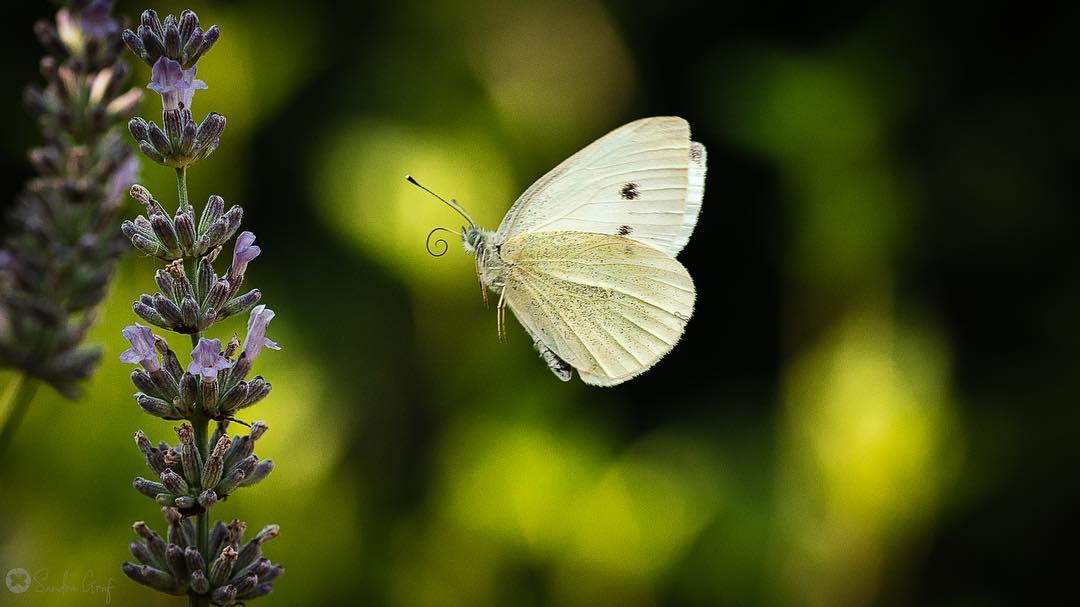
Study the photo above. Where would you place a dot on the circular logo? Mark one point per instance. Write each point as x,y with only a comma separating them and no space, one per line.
18,580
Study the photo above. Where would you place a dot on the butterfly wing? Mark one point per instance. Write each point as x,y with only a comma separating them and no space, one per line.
607,305
638,181
695,192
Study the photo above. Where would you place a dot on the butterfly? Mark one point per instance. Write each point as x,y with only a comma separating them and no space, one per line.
585,258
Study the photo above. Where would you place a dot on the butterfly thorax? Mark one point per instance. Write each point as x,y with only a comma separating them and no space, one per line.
490,267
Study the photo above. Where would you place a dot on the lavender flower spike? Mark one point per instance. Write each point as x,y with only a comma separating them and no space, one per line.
96,20
256,336
206,359
141,351
208,562
175,85
244,252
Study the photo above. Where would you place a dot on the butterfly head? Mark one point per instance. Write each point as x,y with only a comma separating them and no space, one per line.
473,238
471,235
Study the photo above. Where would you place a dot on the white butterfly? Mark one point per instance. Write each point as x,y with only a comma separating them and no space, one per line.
585,258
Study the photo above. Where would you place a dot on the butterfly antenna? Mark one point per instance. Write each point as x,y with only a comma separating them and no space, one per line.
453,204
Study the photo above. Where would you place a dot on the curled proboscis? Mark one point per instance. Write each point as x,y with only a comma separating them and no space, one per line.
433,245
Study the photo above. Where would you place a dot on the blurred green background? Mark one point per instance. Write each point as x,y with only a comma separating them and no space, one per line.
876,399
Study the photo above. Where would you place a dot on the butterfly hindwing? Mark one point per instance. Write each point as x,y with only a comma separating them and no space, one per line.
641,181
607,305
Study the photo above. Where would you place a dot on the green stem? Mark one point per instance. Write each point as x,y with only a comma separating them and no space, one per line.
202,526
199,423
22,394
181,187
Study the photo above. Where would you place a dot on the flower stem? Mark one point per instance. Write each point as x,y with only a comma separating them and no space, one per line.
199,423
21,395
181,187
202,521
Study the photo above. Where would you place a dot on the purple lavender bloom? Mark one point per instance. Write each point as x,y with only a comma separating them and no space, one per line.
142,350
206,359
121,181
176,86
96,21
244,251
256,333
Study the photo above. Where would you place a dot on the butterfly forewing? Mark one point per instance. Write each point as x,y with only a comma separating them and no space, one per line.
636,182
695,192
607,305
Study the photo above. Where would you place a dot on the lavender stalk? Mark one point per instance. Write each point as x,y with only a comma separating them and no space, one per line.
189,478
57,261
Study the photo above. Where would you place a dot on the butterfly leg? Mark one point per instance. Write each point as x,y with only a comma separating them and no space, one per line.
480,281
501,315
558,366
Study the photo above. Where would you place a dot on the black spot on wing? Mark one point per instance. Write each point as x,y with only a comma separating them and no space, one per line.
624,231
629,191
696,151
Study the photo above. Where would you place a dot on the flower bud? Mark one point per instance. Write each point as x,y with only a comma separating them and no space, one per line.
258,389
235,397
172,40
190,459
221,568
142,195
166,234
150,20
241,304
155,406
194,559
152,44
166,284
187,138
262,470
165,383
134,43
217,297
189,390
208,498
169,311
174,556
231,481
188,22
223,595
148,488
245,584
142,553
174,124
215,463
174,482
159,140
185,230
199,583
189,314
210,395
219,536
151,152
139,129
153,540
153,457
215,207
209,132
152,577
